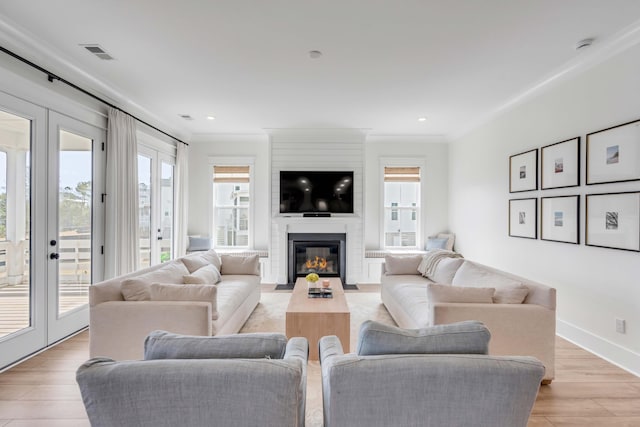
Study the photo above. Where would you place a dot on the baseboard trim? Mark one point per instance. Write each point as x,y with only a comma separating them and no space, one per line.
607,350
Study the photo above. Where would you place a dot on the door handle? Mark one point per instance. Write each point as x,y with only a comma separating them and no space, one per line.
54,255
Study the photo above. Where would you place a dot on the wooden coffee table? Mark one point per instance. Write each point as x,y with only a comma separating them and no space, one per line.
314,318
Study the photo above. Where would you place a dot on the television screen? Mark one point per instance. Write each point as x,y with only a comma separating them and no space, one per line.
306,191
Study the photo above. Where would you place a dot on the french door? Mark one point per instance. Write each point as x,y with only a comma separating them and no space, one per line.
51,225
156,206
75,216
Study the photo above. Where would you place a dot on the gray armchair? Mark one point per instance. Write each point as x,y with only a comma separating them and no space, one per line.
216,388
414,388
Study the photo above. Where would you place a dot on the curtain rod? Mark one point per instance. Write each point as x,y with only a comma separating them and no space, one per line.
51,77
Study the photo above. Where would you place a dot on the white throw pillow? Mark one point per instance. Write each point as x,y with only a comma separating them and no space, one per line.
194,262
508,290
136,288
212,256
235,264
402,264
446,269
208,275
459,294
171,292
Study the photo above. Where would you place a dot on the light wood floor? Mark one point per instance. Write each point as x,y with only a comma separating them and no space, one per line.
587,390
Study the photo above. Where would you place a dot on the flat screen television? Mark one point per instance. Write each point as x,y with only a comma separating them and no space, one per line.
316,191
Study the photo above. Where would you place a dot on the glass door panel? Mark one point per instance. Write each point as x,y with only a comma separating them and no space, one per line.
144,208
15,285
74,220
165,232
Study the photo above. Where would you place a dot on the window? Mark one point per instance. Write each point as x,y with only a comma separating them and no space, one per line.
231,205
401,206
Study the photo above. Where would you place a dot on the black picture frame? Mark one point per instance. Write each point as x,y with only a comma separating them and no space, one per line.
523,171
613,154
613,220
560,219
560,164
523,218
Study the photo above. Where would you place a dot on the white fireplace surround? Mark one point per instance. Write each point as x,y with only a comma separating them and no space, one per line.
349,225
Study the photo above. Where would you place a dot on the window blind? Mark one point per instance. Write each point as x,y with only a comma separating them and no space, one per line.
402,174
231,174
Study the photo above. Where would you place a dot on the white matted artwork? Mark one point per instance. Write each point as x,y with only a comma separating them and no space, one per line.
559,219
613,154
523,218
613,221
561,164
523,171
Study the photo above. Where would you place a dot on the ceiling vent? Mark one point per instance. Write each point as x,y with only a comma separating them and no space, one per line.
97,51
186,116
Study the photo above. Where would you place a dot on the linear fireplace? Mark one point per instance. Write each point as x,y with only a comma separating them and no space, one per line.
322,253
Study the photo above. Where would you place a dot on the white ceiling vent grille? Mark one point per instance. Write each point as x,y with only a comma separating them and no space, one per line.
98,51
186,116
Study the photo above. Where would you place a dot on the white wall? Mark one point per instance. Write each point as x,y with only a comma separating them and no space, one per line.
434,152
594,285
200,179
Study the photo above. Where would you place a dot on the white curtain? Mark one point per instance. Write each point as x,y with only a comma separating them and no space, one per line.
181,198
122,243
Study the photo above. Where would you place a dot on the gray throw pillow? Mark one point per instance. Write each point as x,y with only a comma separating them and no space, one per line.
435,243
166,345
469,337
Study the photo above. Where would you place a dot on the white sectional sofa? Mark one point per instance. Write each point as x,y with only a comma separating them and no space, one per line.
178,296
474,292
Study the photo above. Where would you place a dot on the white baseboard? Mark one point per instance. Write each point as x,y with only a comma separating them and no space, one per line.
611,352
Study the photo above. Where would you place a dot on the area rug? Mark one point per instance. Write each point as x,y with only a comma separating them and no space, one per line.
269,316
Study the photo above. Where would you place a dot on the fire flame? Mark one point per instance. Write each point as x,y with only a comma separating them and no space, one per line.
318,263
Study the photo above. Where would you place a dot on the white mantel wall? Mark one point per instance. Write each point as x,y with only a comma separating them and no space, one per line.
594,285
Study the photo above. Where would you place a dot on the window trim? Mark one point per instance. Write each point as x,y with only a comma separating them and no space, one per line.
420,226
232,161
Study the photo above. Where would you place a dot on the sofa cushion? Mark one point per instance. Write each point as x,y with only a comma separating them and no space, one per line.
469,337
137,288
171,292
166,345
198,260
208,275
459,294
508,290
446,269
236,264
402,264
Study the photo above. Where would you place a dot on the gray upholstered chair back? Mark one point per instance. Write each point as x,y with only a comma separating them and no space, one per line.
427,390
197,392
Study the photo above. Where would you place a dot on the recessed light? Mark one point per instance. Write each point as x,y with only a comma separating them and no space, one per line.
422,119
211,118
315,54
584,43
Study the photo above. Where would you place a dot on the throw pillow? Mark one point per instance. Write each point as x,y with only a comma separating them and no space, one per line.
235,264
446,269
194,262
136,288
469,337
402,264
166,345
199,244
460,294
507,289
170,292
208,275
435,243
212,256
450,239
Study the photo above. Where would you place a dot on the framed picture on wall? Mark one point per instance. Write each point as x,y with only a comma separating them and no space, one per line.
559,219
613,154
560,164
523,171
613,220
523,218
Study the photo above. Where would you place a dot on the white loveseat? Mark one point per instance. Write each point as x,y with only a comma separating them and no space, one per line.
125,309
526,328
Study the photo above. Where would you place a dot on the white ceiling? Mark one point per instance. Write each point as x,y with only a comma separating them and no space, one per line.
385,63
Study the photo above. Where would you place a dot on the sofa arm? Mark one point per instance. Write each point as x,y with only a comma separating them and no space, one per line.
119,328
329,347
298,351
516,329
